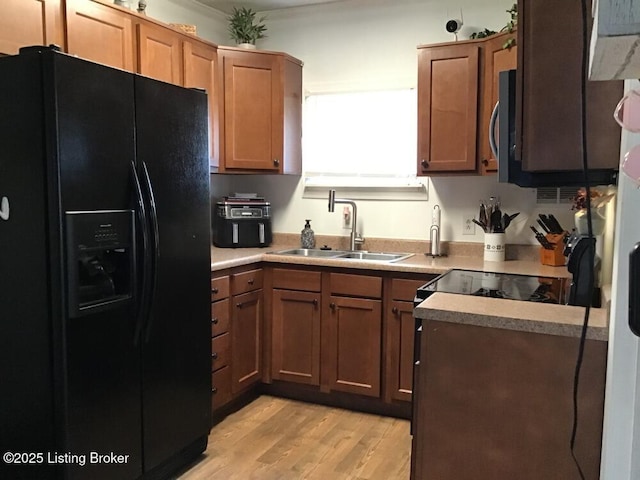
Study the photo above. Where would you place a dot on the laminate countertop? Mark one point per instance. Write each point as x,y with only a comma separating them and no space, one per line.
532,317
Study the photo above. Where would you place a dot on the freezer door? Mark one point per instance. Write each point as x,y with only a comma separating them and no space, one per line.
172,159
94,148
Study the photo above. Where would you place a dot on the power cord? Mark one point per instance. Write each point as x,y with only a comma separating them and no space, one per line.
591,249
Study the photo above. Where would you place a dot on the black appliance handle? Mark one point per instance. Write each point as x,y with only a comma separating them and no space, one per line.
141,212
634,289
156,246
492,130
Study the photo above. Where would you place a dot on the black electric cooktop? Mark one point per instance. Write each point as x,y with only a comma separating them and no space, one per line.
497,285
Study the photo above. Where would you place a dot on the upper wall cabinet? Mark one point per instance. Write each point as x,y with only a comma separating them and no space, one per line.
159,52
100,33
548,96
260,112
457,91
30,22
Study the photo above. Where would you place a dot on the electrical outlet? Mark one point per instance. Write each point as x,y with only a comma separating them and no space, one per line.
468,227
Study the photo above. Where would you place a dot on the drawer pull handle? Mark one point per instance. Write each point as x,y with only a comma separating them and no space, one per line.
315,302
214,390
214,290
332,306
214,355
394,310
250,282
239,305
215,321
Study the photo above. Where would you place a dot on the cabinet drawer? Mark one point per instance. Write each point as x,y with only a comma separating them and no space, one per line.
405,289
219,288
356,285
220,351
246,281
219,317
296,280
220,387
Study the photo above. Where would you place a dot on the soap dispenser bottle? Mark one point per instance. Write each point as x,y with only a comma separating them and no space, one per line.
307,237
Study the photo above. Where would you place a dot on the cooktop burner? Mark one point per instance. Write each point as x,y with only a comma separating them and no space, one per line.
497,285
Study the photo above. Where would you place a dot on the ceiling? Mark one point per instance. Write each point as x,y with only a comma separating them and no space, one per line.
260,5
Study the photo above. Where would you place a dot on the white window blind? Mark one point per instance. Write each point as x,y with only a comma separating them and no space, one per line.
361,139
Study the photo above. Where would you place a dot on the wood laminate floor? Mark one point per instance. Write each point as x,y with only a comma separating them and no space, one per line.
279,439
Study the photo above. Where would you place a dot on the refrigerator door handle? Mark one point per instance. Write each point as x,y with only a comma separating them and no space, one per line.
156,246
141,212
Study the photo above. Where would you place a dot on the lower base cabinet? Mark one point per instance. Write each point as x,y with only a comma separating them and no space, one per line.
496,404
246,336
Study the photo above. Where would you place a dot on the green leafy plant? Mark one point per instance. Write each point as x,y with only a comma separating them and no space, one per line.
509,27
243,26
483,34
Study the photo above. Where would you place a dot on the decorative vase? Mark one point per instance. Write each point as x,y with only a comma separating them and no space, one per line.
248,46
582,224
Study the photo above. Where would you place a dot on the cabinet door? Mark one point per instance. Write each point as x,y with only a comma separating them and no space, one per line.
354,345
447,108
30,22
200,64
246,335
549,122
159,53
253,112
296,336
100,33
496,59
401,333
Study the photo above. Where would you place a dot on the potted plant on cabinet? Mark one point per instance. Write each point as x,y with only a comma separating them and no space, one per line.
244,28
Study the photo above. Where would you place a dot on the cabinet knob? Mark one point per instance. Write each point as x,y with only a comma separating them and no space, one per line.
214,290
424,163
394,310
315,302
276,162
239,305
215,321
332,306
214,390
485,162
250,282
214,355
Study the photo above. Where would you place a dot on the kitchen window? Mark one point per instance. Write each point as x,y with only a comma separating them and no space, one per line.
362,143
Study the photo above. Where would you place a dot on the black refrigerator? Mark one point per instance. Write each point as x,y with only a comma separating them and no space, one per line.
104,271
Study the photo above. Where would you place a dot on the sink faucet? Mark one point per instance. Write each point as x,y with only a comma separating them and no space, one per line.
355,239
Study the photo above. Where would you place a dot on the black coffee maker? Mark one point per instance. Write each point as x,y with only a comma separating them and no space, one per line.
579,250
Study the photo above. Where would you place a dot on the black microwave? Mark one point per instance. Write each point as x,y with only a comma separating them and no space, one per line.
510,168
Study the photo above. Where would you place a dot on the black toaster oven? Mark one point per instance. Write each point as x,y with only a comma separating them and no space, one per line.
242,222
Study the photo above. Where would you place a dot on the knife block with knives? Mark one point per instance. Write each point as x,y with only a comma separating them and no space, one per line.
554,256
552,242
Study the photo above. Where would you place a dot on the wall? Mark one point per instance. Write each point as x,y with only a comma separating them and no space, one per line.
364,44
210,23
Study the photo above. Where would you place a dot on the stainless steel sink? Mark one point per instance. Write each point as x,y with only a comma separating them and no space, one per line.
341,254
376,257
310,252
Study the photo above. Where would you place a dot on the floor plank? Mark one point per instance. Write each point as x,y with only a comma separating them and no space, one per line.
280,439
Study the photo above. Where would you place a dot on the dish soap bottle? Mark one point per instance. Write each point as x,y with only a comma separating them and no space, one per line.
307,237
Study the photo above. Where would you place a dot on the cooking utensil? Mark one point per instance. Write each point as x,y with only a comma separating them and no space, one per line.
482,217
507,219
482,225
496,221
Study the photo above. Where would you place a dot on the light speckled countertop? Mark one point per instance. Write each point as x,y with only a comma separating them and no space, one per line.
490,312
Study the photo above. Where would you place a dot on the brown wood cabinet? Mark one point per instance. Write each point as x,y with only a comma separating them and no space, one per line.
548,97
457,90
246,329
200,71
220,342
495,403
100,33
295,326
260,112
30,22
399,337
159,53
352,334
